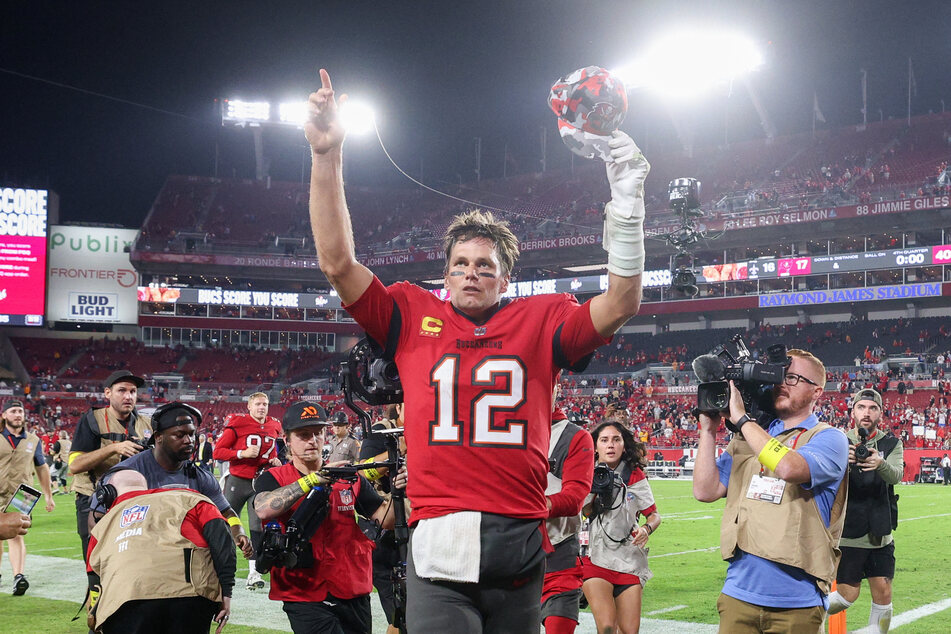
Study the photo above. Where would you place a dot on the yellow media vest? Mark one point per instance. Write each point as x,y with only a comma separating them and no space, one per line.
140,553
16,465
84,483
791,532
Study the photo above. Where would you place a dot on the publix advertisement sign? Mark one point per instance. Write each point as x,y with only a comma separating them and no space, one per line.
90,277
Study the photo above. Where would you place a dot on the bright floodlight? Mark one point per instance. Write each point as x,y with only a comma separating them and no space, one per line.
292,112
237,110
685,63
357,117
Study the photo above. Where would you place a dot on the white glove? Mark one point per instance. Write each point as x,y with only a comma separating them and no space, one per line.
624,214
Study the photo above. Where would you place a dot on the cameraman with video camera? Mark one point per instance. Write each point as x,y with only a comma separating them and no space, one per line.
319,559
784,479
615,569
876,465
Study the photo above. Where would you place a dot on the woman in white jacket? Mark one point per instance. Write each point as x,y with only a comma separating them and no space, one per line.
615,569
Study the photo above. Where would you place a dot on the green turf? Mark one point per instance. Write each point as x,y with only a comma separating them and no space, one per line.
682,578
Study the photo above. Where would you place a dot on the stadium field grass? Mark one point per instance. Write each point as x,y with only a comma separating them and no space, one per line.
684,557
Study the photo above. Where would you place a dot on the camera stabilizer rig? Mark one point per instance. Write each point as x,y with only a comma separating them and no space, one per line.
374,380
683,195
371,376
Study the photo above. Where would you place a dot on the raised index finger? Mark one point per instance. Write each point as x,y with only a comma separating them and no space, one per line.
325,80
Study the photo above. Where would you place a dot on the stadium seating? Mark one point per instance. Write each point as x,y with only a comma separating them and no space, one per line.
887,160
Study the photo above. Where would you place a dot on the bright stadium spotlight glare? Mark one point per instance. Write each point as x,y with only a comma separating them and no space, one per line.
686,63
238,110
292,112
357,117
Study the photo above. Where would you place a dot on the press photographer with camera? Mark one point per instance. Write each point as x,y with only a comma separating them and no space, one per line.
616,569
104,437
319,559
784,479
876,465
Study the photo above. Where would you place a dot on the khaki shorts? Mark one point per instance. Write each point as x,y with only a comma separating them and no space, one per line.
740,617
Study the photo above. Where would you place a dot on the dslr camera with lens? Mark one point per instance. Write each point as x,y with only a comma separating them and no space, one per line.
290,547
603,483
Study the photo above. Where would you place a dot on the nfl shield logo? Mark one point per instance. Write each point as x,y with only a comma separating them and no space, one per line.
132,515
346,497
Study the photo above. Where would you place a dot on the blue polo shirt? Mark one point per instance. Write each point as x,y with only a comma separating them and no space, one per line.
766,583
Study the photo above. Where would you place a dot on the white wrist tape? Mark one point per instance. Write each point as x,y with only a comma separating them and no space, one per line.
624,238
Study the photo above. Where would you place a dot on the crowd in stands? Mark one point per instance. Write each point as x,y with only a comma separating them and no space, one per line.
885,161
65,386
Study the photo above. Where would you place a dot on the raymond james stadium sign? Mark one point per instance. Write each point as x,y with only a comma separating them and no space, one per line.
903,291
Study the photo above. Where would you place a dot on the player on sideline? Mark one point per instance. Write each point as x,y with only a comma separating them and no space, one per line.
249,443
571,460
477,374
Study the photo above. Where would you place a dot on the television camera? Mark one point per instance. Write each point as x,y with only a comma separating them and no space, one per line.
732,361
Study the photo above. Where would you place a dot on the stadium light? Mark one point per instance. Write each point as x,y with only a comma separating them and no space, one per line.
292,112
246,111
685,63
357,117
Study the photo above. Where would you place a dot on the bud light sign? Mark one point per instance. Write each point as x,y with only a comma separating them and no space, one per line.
94,307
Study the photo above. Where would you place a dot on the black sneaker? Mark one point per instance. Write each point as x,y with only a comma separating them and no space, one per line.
20,584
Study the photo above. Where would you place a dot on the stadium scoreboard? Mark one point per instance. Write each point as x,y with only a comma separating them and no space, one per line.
771,268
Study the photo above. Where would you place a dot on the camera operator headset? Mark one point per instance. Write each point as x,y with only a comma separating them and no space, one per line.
166,463
320,560
616,569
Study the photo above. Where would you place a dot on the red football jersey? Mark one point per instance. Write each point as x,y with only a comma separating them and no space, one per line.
242,432
477,395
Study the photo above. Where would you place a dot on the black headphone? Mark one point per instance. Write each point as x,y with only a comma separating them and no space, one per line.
106,495
160,411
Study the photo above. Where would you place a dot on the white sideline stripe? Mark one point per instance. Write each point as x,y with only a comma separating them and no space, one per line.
911,616
685,513
690,519
923,517
686,552
672,608
64,579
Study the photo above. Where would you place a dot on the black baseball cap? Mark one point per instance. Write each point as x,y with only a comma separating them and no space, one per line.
304,414
123,375
174,414
867,394
11,404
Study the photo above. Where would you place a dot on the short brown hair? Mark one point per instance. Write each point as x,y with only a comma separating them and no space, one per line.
813,360
478,224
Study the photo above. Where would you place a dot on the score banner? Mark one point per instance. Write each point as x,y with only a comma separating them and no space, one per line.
23,218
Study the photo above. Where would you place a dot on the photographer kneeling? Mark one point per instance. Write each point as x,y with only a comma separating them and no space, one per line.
318,557
616,570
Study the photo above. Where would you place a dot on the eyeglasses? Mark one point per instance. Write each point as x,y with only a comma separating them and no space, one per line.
794,379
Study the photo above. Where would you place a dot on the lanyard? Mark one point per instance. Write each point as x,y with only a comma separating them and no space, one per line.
795,442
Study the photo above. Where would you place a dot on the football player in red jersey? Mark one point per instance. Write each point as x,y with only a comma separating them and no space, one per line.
477,375
249,443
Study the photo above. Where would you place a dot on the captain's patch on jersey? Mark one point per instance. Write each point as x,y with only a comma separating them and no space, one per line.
430,327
